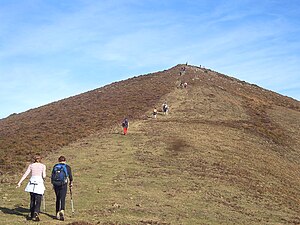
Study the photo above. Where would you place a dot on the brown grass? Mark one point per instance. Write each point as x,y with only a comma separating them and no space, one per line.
228,152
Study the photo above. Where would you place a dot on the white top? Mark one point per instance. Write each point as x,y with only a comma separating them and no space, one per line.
36,182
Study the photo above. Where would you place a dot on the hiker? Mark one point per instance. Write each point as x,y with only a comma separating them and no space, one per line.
165,108
181,85
35,186
125,125
182,72
185,84
60,177
154,112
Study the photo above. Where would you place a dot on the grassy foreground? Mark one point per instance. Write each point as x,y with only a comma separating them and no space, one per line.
206,163
143,179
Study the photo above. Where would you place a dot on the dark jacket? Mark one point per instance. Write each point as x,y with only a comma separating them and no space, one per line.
125,123
69,173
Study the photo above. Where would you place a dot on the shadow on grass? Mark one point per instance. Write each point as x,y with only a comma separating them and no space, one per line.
21,211
49,215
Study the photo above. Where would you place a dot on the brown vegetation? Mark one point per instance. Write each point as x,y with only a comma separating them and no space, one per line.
52,126
228,152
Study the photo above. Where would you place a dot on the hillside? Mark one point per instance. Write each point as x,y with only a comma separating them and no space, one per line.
228,152
55,125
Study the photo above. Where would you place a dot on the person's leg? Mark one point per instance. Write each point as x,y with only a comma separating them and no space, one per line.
36,205
38,200
63,194
57,194
32,204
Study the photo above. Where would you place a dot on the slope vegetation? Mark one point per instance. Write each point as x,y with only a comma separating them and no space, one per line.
227,153
55,125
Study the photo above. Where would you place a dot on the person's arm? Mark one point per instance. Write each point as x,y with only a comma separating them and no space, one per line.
44,172
70,176
24,176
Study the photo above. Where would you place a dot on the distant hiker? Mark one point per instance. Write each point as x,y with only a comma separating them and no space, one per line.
61,175
35,186
125,125
182,72
154,112
183,85
165,108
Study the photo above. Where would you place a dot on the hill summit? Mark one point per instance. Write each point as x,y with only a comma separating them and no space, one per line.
227,153
60,123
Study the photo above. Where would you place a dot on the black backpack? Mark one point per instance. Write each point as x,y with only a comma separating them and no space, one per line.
59,175
125,123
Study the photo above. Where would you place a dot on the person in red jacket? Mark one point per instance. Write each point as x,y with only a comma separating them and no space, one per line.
125,125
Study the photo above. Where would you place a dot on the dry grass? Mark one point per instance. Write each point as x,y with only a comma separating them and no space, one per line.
228,153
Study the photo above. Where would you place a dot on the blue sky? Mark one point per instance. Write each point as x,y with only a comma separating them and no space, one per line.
53,49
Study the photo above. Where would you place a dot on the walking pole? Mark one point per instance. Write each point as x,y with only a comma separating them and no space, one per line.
44,203
72,203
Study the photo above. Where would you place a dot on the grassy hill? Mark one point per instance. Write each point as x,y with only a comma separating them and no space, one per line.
227,153
50,127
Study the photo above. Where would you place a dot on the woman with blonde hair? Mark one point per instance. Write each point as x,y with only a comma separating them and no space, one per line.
35,186
154,112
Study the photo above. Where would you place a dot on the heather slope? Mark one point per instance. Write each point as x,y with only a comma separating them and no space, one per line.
52,126
55,125
228,153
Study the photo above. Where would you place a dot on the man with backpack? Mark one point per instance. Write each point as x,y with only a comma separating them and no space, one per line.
165,108
60,178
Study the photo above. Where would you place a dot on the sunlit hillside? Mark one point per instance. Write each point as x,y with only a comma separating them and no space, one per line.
227,152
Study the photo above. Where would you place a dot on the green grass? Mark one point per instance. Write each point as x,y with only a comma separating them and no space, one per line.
144,179
212,161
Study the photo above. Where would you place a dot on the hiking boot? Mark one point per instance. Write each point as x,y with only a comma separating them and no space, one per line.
29,217
36,217
57,215
61,215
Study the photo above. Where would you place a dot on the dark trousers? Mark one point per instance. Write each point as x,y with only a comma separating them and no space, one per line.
60,192
35,203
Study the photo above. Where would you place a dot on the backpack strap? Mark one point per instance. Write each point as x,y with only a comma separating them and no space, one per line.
65,169
64,166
